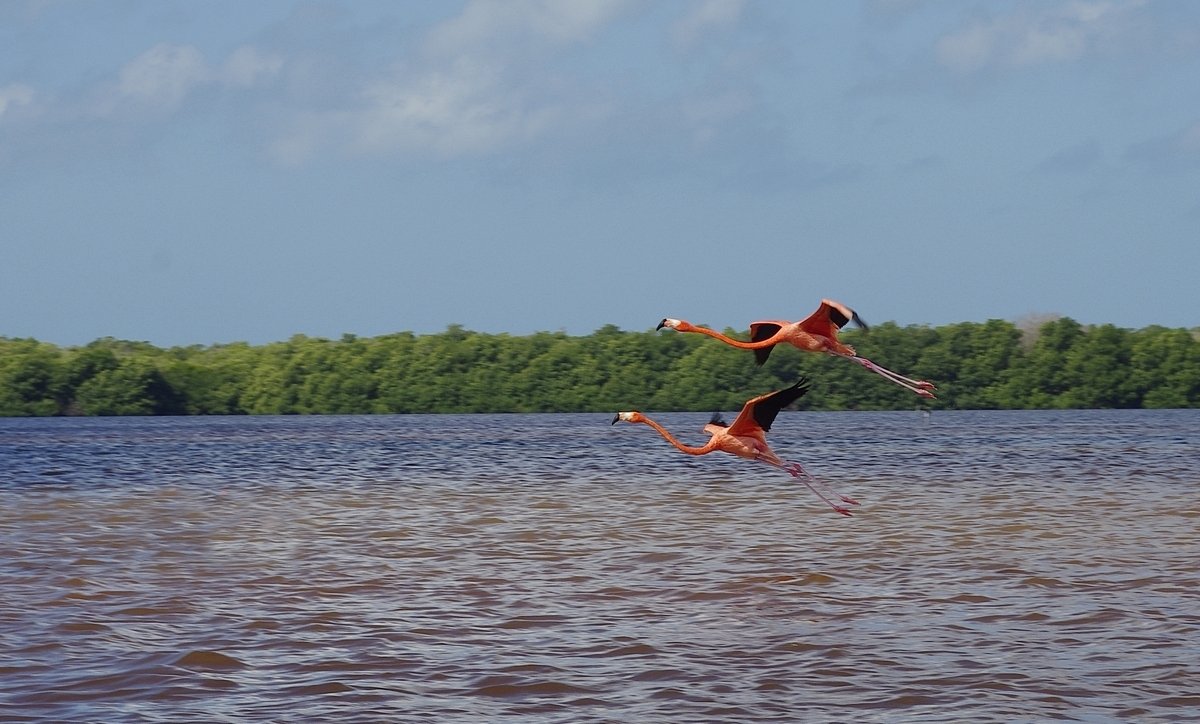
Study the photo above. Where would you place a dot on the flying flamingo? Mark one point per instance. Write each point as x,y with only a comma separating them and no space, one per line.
746,438
817,333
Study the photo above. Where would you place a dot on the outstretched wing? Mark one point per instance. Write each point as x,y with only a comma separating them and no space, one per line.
760,331
829,318
759,414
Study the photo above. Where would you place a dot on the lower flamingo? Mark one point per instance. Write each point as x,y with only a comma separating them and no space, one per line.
746,438
816,333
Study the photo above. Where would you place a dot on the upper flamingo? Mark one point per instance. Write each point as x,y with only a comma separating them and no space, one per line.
816,333
746,437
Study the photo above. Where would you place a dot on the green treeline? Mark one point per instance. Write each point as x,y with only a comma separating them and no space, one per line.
993,365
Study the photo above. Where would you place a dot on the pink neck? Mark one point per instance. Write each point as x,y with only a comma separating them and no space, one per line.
734,342
707,448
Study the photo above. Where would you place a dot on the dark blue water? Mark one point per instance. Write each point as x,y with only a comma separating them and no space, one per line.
1003,566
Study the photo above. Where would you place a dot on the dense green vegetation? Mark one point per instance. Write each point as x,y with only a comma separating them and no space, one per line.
1061,364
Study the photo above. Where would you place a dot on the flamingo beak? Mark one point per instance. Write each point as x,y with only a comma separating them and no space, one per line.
661,325
615,418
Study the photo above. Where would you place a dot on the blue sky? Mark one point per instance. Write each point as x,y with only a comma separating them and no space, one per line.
205,172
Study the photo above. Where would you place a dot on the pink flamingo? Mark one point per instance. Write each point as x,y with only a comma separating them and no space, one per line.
817,333
746,438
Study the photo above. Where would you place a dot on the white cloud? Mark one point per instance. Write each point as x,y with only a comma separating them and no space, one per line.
464,108
247,66
495,76
1034,34
486,80
161,77
14,96
151,88
484,22
704,17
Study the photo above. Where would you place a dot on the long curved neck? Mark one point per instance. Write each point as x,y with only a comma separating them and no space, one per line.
734,342
704,450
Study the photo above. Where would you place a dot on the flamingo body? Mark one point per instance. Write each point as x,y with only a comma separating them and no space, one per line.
816,333
747,436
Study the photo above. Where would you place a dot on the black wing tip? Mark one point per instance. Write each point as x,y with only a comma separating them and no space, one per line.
835,315
765,413
841,315
716,419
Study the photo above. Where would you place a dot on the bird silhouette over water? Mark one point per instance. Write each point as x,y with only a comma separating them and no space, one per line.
746,438
816,333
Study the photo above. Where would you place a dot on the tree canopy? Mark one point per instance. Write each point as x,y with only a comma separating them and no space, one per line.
990,365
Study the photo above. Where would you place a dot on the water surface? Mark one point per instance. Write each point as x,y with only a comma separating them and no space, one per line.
1003,566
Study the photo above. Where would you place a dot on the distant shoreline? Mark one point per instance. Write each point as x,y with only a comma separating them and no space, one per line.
1061,364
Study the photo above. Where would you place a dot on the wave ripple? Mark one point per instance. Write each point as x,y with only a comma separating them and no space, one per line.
1004,566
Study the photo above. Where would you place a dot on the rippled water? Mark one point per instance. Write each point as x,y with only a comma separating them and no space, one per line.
1003,566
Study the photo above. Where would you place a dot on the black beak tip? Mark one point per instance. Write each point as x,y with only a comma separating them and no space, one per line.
615,418
661,325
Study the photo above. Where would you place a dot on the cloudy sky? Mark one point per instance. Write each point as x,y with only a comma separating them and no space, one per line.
203,172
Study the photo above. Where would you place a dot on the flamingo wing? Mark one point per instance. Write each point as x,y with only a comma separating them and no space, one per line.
760,331
758,415
829,318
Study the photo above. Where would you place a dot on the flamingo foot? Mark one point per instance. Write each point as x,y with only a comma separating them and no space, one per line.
921,387
823,491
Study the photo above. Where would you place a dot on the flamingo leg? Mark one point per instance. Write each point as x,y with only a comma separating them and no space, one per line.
820,488
921,387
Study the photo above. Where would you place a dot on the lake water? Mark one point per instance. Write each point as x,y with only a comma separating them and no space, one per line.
1003,566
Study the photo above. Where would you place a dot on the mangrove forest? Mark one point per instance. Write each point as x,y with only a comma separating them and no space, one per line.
997,364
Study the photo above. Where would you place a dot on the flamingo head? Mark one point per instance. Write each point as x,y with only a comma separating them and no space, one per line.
627,417
676,324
